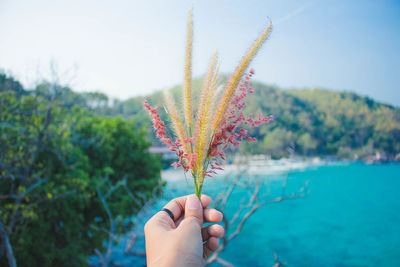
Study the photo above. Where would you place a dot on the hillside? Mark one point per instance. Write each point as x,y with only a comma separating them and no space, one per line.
310,122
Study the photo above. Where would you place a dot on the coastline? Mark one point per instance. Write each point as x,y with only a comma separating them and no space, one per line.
257,166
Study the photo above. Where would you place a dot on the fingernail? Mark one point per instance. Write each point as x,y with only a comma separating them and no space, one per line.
192,202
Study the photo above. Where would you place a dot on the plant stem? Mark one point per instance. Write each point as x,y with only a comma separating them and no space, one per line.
198,183
197,189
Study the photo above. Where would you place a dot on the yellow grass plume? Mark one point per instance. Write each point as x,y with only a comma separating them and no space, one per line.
176,121
202,130
212,103
237,75
187,95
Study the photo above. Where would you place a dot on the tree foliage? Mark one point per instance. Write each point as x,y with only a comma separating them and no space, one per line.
54,156
312,122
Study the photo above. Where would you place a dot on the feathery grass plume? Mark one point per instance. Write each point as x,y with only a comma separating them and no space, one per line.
176,121
187,95
203,147
216,88
212,100
201,137
237,76
216,126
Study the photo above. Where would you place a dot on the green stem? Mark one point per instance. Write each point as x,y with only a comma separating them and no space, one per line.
198,183
197,189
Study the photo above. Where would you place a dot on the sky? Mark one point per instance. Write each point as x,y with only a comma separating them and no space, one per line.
128,48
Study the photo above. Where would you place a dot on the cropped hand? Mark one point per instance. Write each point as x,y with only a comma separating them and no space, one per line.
183,241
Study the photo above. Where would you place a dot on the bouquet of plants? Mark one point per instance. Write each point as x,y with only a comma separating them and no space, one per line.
204,132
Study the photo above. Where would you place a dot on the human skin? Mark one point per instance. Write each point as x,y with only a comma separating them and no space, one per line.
183,242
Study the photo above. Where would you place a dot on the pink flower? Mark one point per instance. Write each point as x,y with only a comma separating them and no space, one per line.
228,131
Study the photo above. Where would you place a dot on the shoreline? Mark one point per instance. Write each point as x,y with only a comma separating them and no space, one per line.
263,166
256,167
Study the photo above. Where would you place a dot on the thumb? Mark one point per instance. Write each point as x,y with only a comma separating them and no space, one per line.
193,209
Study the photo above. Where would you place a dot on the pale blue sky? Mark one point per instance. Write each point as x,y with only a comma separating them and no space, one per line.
128,48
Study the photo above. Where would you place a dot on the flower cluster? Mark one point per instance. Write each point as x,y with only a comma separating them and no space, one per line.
203,136
159,126
228,131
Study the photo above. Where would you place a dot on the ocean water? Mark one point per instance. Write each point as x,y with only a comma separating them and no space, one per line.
350,217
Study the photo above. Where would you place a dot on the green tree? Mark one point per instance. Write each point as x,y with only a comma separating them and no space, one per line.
56,157
307,143
314,122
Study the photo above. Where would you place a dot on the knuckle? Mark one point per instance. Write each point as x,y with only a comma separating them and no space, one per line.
147,226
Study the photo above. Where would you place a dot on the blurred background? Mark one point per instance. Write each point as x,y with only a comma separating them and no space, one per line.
81,170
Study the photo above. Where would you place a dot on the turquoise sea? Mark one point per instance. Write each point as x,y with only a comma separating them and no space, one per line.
351,217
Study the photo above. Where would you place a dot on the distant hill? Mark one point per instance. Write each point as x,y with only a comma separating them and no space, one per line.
310,122
313,122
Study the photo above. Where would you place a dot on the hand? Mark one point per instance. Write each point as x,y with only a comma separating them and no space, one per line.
183,242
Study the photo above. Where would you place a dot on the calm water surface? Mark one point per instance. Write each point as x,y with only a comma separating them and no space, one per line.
351,217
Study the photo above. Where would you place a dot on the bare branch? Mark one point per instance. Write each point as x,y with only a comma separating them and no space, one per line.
8,247
145,208
129,245
143,202
18,201
252,205
277,262
224,262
